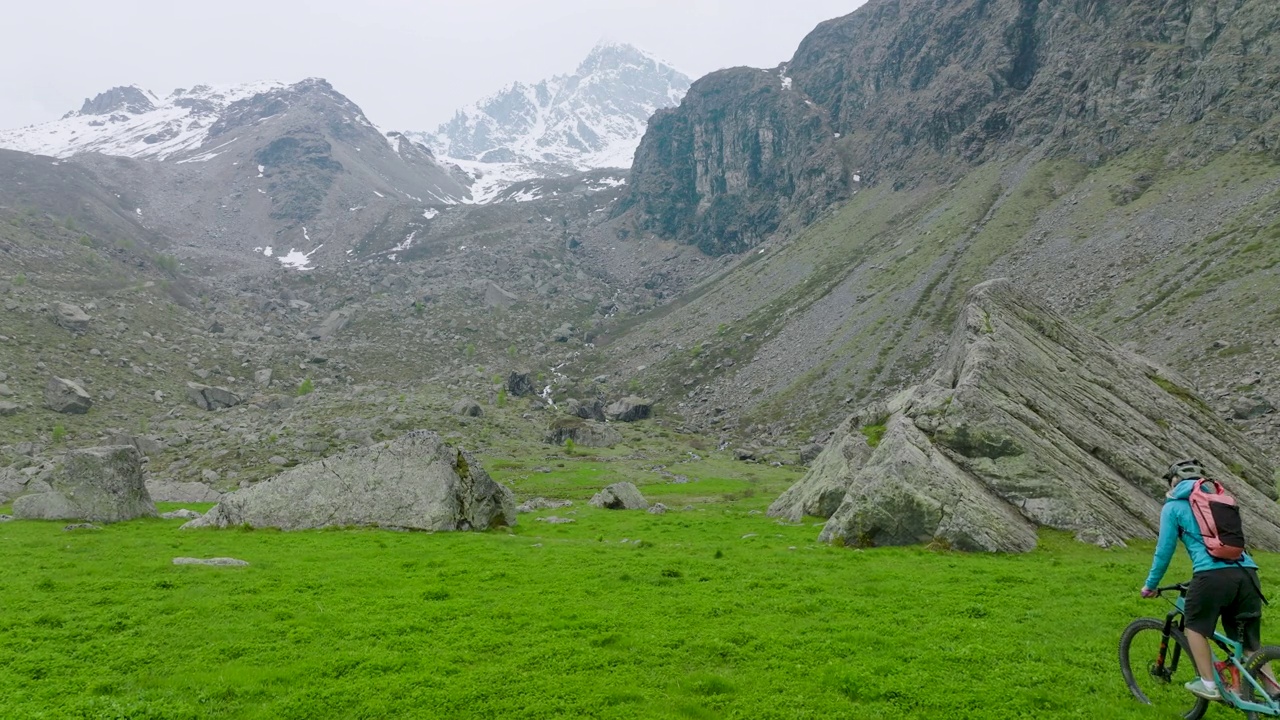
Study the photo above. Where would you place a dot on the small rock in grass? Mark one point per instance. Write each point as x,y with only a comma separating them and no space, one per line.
5,518
657,509
81,526
182,514
553,520
217,562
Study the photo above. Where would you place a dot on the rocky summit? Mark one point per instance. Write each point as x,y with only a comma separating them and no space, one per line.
1028,421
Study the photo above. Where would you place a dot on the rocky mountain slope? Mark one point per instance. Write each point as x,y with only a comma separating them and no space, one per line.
257,176
905,91
1118,159
589,119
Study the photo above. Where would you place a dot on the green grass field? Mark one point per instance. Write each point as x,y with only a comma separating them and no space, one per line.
715,611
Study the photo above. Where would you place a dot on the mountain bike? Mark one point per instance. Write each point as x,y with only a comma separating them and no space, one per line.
1156,660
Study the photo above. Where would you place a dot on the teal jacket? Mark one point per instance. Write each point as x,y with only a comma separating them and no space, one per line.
1177,521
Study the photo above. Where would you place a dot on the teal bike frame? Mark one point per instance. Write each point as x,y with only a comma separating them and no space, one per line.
1235,662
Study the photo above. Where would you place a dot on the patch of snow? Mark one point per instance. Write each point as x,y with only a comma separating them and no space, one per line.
375,192
786,83
305,236
297,259
139,211
430,213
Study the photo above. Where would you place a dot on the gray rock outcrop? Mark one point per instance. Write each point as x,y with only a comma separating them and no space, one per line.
629,409
96,484
1028,421
331,325
66,396
539,503
620,496
467,407
207,397
8,409
416,482
495,296
586,433
71,317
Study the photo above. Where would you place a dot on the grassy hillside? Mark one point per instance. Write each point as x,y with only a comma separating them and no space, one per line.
709,611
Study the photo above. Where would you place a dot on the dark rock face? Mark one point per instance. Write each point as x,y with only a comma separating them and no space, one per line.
520,384
1028,421
97,484
302,171
117,99
723,170
903,89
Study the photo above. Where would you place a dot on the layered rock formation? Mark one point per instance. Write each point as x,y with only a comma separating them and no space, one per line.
416,483
96,484
1029,421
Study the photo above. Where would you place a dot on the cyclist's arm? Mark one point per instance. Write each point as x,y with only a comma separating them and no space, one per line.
1165,546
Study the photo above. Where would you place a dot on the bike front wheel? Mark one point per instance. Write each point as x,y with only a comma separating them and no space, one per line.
1155,668
1260,667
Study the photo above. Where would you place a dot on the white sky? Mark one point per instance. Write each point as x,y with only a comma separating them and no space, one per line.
408,64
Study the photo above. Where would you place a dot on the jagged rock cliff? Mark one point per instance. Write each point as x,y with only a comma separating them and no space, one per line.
723,170
1029,420
903,89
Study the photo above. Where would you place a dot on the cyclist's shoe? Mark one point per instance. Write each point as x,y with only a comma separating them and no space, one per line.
1200,688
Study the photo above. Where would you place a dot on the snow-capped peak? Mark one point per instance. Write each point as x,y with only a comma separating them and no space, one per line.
591,118
133,122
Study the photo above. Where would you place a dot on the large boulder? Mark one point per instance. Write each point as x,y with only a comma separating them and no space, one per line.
586,409
495,296
416,482
71,317
586,433
207,397
101,484
1028,421
66,396
629,409
467,407
331,325
620,496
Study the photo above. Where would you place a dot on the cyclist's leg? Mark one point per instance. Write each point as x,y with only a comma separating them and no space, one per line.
1244,615
1204,602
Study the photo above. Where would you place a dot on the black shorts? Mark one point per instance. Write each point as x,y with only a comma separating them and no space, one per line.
1229,593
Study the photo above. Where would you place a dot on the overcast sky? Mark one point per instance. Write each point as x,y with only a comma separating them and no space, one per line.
409,64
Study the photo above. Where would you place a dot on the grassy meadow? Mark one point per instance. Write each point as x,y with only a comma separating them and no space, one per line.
712,610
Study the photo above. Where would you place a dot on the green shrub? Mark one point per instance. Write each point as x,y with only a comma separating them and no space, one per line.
59,433
502,397
306,387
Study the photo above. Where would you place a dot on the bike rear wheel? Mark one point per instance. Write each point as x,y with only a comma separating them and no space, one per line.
1157,680
1254,666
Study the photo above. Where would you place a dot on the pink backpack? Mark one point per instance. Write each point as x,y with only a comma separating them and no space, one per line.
1218,517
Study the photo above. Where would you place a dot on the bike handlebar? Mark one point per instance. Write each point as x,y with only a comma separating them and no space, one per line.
1180,587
